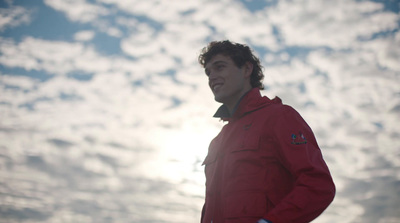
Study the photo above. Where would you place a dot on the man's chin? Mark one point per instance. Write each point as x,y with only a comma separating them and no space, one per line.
218,99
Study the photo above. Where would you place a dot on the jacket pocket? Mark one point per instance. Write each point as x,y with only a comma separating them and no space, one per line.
245,204
212,152
245,167
247,142
210,158
210,169
245,159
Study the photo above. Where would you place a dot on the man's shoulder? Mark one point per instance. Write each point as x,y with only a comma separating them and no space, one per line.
276,105
276,110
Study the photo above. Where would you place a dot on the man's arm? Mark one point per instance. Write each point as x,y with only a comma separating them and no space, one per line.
203,210
299,153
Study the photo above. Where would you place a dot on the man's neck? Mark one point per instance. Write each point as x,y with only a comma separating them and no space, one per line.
234,106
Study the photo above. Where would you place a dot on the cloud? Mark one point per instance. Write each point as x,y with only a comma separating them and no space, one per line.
54,57
14,16
137,124
338,24
156,10
78,10
387,53
85,35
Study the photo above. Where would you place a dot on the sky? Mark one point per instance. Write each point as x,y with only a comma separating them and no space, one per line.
106,115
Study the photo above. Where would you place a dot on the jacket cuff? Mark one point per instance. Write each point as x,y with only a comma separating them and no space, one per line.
263,221
272,219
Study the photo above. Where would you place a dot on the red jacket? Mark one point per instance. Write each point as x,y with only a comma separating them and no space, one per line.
265,163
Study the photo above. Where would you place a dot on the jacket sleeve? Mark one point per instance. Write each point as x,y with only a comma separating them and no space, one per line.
299,153
203,210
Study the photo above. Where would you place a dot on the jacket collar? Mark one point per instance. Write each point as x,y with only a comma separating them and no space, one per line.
250,101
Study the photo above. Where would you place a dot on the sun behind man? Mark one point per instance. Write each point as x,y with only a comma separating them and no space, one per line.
265,164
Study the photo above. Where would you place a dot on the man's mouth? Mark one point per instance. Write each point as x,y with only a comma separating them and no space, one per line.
216,86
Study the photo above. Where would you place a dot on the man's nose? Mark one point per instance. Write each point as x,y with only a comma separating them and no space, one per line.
211,78
211,75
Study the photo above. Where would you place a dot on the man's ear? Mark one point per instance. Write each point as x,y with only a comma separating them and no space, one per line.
248,69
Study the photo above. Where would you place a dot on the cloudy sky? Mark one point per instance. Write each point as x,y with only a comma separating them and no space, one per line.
105,115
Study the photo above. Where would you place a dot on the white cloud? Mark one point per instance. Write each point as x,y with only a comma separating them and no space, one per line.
139,45
14,16
78,10
346,88
85,35
385,50
57,57
336,24
22,82
39,54
160,11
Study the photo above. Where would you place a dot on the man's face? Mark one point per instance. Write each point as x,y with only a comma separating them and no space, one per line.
227,82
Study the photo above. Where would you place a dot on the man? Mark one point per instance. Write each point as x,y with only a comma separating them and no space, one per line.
265,164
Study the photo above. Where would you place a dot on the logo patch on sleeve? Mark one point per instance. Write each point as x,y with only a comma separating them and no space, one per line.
298,139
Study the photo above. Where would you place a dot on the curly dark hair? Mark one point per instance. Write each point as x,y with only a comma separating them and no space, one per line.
239,53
